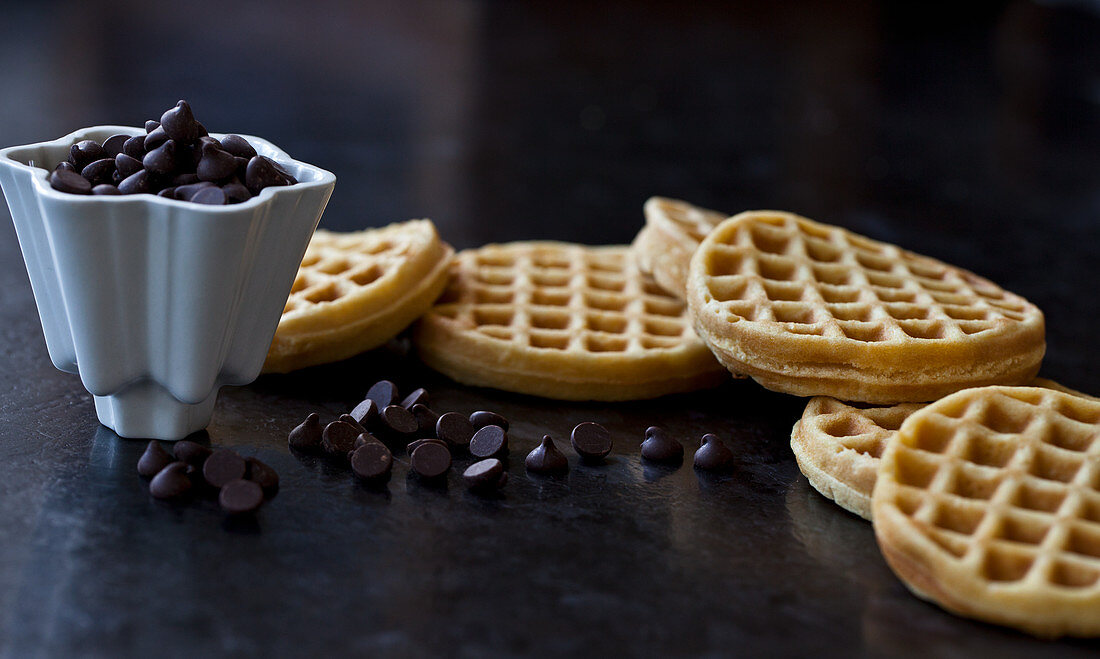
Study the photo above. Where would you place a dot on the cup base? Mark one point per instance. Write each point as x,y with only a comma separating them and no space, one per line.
145,410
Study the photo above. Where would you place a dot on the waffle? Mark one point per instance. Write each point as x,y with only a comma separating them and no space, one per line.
563,321
988,504
838,446
355,291
672,233
810,309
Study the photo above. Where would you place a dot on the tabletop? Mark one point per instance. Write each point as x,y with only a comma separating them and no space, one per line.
971,135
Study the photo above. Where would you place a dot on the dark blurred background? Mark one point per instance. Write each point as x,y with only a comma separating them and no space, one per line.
970,132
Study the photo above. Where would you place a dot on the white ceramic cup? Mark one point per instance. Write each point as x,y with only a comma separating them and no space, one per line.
157,303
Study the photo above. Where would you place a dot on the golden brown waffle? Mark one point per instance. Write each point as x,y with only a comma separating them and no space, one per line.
838,446
672,233
355,291
811,309
988,504
563,321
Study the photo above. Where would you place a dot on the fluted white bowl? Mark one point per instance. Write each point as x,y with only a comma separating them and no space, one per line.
158,303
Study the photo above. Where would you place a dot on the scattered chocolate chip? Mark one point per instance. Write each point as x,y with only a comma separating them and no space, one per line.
238,146
180,125
261,173
112,146
105,189
364,438
215,165
153,459
454,428
398,421
426,419
485,476
127,166
431,459
63,180
171,482
365,412
85,152
412,445
372,462
67,166
99,171
383,393
240,496
483,418
135,147
347,418
338,438
307,435
236,193
192,453
212,196
263,475
136,183
713,454
151,125
488,442
418,397
155,139
591,441
660,447
546,458
223,466
162,160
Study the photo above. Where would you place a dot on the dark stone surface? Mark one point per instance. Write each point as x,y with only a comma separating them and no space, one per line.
972,135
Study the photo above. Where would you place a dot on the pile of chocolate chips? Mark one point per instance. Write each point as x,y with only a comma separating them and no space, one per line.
176,158
241,484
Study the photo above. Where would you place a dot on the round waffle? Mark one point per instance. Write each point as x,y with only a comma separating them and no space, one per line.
563,321
355,291
838,445
811,309
672,233
988,504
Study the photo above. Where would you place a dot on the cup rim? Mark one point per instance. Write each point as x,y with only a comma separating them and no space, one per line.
8,157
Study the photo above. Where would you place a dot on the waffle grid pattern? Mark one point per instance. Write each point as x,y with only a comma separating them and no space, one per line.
1008,482
863,429
569,298
693,221
824,281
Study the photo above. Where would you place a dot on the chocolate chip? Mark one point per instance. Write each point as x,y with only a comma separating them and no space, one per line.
372,462
263,475
162,160
63,180
488,442
67,166
349,419
660,447
485,476
171,482
99,171
420,396
242,167
180,125
112,146
105,189
186,178
338,438
383,393
238,146
153,459
713,454
426,419
411,446
191,452
223,466
212,196
155,139
188,191
591,441
482,418
364,438
151,125
236,193
127,166
136,183
431,459
307,435
454,428
135,147
398,421
167,193
240,496
85,152
215,165
365,412
546,458
261,173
